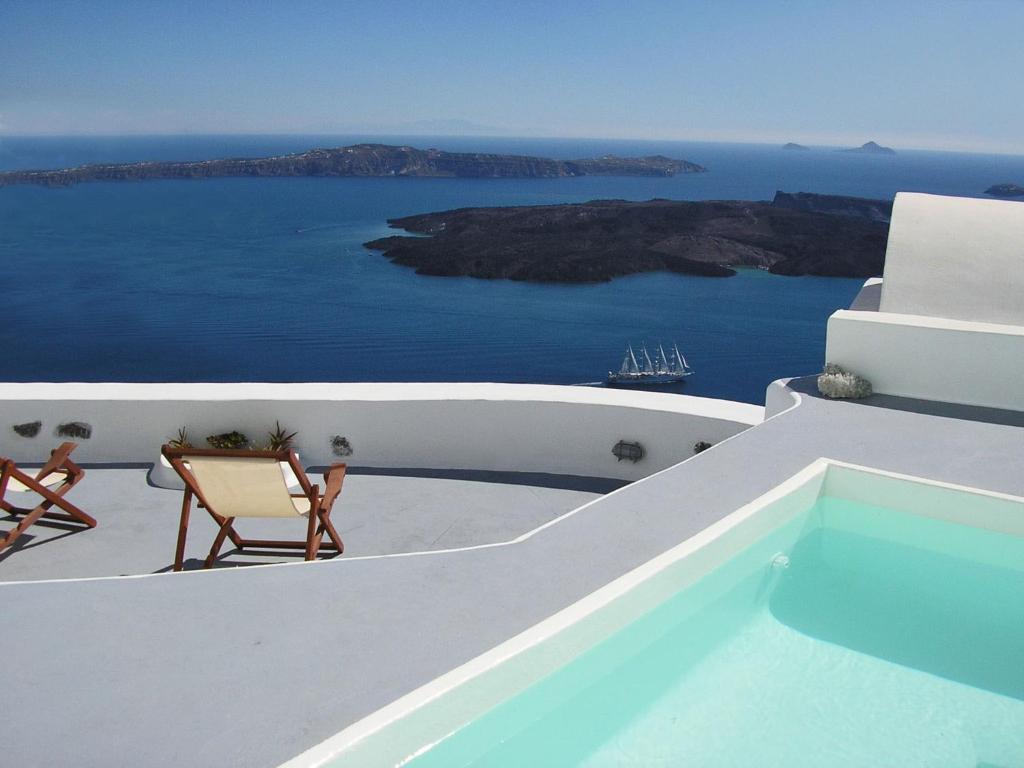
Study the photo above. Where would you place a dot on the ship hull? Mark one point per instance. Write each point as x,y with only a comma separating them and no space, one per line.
645,380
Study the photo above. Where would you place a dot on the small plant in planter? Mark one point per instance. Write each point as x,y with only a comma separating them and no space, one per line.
340,446
232,441
280,439
28,429
181,440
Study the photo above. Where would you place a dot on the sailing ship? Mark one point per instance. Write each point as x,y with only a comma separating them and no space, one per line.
664,369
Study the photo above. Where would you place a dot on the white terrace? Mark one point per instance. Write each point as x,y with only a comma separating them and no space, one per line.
432,466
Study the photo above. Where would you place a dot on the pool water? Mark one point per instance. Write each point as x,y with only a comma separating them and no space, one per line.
885,639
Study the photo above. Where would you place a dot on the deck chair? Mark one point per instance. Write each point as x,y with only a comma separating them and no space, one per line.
58,476
231,484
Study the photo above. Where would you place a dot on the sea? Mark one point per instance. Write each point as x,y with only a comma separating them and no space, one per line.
268,280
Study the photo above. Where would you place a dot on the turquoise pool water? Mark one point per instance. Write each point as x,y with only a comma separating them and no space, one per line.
888,640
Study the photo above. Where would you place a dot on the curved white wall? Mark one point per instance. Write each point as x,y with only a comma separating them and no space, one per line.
955,257
507,427
779,398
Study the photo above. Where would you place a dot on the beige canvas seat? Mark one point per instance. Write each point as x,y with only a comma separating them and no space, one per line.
50,483
232,484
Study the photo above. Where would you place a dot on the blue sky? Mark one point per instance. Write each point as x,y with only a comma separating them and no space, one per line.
930,74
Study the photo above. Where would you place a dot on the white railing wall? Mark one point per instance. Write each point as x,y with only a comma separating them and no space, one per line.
505,427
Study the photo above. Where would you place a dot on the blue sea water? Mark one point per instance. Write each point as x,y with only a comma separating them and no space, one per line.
267,279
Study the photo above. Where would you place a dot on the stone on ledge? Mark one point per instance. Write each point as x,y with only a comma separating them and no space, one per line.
838,383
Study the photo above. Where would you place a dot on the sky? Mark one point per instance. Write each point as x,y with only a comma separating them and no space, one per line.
929,74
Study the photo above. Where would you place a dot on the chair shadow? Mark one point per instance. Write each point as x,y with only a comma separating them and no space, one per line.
28,540
222,561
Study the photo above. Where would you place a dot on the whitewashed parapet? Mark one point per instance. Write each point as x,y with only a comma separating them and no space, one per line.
505,427
931,358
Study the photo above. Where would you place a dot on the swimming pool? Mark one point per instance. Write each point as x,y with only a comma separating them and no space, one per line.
847,618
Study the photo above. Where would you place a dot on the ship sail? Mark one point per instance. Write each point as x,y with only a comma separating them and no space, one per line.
628,362
683,365
664,369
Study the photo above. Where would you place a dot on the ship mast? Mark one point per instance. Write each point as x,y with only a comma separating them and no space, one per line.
648,365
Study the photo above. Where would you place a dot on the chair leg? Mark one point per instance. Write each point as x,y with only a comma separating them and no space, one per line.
179,549
22,525
325,518
218,542
318,540
311,549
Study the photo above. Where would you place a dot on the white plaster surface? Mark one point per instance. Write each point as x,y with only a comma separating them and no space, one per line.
503,427
931,358
173,656
955,257
376,515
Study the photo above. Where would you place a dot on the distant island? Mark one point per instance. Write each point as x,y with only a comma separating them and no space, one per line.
795,234
363,160
871,148
795,147
1005,190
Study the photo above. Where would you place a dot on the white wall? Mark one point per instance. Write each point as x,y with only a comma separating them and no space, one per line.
931,358
530,428
779,398
955,257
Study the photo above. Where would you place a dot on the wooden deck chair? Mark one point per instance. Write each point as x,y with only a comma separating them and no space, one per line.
58,476
232,484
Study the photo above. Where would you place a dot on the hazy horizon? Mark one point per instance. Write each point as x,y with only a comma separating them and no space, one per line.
916,75
388,138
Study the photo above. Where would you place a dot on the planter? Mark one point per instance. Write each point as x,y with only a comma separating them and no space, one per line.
162,475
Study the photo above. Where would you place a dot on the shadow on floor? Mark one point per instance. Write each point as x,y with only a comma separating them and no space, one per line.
808,387
600,485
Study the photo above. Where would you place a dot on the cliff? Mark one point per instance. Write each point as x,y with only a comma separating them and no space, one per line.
603,239
838,205
363,160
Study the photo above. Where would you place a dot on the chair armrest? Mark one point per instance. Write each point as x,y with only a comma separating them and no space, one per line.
333,478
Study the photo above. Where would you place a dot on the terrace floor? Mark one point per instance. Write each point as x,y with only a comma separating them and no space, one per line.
376,514
288,656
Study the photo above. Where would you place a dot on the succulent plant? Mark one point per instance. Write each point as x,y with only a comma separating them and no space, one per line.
280,438
340,446
28,429
181,440
233,440
78,430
